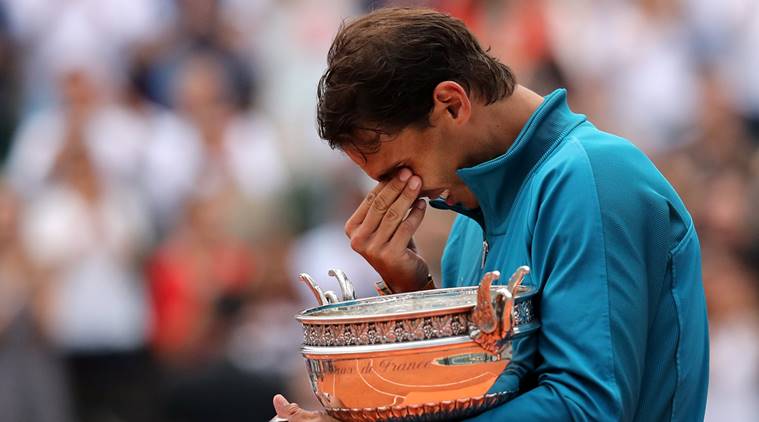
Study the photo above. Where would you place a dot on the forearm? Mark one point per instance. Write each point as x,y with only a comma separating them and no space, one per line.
547,402
540,404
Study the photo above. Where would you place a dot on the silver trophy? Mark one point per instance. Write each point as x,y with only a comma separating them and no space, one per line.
431,355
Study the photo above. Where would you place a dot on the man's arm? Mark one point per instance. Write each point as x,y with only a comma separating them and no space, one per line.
593,307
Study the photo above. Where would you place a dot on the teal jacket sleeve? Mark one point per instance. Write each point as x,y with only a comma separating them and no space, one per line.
589,258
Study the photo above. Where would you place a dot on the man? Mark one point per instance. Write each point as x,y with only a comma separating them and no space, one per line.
412,99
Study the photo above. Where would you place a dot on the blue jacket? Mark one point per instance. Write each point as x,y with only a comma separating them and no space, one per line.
616,258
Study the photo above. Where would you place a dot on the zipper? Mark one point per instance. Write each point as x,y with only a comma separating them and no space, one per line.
485,249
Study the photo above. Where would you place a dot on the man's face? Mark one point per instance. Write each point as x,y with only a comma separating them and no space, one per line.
428,155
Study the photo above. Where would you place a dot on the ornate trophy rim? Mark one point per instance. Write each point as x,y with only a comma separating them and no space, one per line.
311,315
417,317
406,329
383,349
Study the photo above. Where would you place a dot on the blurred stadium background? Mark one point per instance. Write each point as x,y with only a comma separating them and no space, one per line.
163,184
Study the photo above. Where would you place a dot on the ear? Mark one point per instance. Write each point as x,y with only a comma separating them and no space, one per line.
450,103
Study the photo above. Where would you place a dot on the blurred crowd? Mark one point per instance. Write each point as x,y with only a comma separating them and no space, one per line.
163,185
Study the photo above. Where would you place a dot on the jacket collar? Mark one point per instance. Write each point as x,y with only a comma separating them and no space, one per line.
496,182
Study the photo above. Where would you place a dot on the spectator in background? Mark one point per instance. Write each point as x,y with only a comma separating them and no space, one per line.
199,27
287,41
205,281
49,29
753,219
32,385
630,62
9,76
724,35
199,268
88,113
731,288
85,237
211,146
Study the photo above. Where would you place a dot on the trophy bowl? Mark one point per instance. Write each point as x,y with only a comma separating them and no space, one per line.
422,356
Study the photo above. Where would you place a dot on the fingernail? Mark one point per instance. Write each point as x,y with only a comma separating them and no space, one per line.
414,182
404,174
280,400
421,204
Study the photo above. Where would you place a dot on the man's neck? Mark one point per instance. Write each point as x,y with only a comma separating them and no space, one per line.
500,123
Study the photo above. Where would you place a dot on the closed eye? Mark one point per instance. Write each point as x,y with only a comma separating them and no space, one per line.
388,174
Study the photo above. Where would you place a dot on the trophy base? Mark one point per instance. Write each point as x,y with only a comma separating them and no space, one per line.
428,412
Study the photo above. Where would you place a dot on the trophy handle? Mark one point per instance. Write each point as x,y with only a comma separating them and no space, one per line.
484,314
492,317
516,279
321,298
331,297
324,298
346,288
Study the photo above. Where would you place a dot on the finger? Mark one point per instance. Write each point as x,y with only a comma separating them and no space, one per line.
395,214
409,226
358,216
382,202
284,408
293,413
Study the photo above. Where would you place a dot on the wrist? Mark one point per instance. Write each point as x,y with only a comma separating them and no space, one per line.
384,288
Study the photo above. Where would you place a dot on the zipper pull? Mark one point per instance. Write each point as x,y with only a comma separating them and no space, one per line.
485,248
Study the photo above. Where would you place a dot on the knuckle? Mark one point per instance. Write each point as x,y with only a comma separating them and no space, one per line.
379,204
370,197
357,244
373,251
408,225
392,214
384,256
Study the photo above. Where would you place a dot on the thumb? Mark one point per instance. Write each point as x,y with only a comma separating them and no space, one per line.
284,408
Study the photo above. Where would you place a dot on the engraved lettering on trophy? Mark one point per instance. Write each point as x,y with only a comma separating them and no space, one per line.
340,370
387,365
329,367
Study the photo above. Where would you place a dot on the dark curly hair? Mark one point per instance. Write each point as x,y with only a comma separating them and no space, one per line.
383,67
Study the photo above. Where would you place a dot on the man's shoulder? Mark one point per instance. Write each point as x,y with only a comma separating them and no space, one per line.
588,147
590,169
606,161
